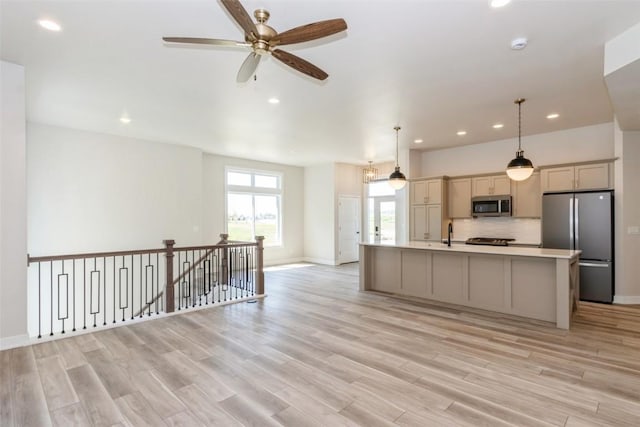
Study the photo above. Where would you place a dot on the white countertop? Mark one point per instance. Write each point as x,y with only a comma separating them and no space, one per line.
480,249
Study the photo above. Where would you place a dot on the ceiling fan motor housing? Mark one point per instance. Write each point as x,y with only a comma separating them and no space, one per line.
261,46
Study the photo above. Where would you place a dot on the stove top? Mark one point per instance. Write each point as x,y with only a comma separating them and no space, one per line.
489,241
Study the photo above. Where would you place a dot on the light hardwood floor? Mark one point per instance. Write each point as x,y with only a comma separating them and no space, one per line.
318,352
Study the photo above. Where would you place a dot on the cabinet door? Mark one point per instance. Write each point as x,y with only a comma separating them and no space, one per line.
481,186
434,191
418,192
426,192
501,185
434,222
419,222
557,179
592,177
460,198
527,199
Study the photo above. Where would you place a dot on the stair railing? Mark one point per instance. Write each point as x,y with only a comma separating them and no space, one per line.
81,291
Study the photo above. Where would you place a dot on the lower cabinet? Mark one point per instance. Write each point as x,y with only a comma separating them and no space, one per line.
426,222
523,286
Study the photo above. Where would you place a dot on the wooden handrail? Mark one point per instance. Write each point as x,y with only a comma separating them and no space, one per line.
31,259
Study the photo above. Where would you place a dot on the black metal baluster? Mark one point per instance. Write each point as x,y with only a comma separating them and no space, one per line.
132,286
74,294
84,293
180,296
193,279
157,280
51,298
141,305
104,292
120,286
114,288
67,295
39,303
91,292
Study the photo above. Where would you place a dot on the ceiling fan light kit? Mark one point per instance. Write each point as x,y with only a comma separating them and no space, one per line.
519,168
397,180
263,40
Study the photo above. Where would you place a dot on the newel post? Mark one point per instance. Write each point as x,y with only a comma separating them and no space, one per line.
225,258
169,303
260,265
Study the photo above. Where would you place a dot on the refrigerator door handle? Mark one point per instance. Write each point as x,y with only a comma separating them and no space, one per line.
571,246
577,223
591,264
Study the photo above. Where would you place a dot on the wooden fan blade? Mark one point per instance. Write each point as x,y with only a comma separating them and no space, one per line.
248,67
198,40
309,32
299,64
242,17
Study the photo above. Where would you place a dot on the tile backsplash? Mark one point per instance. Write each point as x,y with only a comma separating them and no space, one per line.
524,230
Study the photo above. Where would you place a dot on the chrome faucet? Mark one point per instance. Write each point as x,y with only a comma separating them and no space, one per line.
449,232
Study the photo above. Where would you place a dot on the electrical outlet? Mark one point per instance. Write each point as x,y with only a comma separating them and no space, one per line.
633,229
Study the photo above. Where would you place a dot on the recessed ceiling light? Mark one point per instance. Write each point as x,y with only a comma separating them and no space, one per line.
498,126
418,141
519,43
125,120
274,101
499,3
49,25
461,132
553,116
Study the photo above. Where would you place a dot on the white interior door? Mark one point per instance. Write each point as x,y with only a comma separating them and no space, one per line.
348,229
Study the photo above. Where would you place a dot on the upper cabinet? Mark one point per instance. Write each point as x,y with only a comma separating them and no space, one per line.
594,176
490,185
426,215
527,197
426,192
459,195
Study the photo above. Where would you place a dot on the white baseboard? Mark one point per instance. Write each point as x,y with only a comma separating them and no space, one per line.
14,341
282,261
624,299
323,261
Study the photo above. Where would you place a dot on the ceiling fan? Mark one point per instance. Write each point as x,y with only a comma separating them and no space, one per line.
263,40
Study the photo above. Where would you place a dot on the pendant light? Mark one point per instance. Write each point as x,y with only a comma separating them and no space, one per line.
519,168
369,173
397,179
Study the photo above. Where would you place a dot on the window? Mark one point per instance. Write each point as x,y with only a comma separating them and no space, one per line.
253,205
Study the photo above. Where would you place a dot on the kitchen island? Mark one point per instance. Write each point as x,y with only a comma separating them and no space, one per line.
536,283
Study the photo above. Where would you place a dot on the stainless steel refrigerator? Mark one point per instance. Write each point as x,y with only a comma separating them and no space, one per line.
583,221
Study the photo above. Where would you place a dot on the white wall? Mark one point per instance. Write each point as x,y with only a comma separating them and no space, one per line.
93,192
567,146
13,207
319,214
213,197
622,50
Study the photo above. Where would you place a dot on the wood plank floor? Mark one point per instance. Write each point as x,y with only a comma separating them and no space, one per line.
318,352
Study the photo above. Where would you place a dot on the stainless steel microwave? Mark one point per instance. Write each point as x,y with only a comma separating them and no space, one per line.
491,206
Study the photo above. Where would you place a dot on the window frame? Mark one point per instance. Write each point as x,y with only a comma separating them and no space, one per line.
254,191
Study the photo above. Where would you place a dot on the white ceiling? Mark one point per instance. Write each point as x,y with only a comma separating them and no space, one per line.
432,67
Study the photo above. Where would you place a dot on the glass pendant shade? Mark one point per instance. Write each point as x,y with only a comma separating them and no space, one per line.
519,168
397,180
